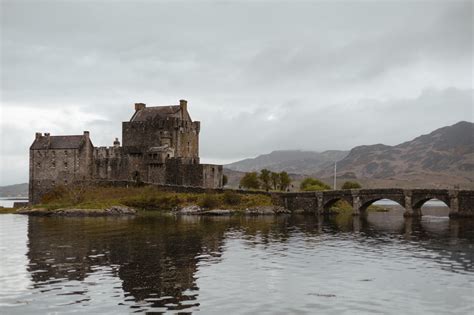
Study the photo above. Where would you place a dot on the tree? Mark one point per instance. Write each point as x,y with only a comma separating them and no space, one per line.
351,185
265,179
225,180
312,184
275,180
250,181
285,180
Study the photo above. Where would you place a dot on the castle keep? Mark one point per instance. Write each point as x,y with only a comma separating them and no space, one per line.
160,145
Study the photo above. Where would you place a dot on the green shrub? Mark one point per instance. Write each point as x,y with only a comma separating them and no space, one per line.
231,198
250,181
208,201
165,202
351,185
312,184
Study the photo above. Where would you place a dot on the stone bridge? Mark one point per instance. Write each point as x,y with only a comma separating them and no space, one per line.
460,202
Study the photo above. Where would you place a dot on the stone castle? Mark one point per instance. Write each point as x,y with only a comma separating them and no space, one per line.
160,146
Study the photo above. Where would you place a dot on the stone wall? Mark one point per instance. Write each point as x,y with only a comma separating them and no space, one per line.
50,168
139,136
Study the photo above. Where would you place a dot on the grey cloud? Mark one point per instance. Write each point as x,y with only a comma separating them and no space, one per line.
260,76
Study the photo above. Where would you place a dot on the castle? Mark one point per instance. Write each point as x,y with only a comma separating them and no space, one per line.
160,146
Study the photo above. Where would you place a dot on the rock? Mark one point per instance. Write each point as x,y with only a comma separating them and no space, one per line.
194,209
112,211
218,212
266,210
120,210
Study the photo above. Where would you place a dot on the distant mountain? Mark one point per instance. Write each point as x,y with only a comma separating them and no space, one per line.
443,158
291,161
447,151
18,190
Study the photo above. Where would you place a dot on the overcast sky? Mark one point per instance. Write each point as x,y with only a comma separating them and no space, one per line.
259,76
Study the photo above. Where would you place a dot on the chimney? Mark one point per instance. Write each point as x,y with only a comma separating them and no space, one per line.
48,139
183,104
86,134
139,106
116,143
38,135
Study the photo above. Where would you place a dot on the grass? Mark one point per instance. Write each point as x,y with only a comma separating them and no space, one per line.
146,198
7,210
343,206
375,208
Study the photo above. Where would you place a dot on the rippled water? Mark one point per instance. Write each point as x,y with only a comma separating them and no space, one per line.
238,265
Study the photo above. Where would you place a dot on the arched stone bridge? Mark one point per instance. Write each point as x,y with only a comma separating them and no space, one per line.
460,202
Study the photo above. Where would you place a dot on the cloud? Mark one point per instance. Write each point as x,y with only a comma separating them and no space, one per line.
260,76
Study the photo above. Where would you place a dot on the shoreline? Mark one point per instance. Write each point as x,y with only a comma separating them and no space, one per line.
128,211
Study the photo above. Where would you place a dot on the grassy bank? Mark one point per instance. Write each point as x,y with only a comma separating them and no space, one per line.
146,198
343,206
7,210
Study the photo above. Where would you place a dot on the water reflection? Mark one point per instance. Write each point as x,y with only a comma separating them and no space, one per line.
154,262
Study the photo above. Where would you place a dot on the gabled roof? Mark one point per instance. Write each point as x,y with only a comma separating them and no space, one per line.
156,111
57,142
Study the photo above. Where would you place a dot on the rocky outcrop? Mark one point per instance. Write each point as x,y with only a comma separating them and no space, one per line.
261,210
112,211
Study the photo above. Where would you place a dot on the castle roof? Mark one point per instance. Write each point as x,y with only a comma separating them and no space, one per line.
156,111
57,142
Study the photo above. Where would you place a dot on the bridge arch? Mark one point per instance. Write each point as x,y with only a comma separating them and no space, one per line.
368,202
419,201
329,202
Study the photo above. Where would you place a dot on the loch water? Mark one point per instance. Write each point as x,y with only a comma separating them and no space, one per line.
153,263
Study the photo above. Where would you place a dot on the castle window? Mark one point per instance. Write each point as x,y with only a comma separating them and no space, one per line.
53,164
65,152
38,164
65,164
65,181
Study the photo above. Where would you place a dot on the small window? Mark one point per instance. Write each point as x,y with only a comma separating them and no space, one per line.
54,153
38,165
65,164
65,152
53,164
65,181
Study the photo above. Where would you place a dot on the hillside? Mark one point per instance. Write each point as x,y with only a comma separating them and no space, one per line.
443,158
18,190
291,161
446,156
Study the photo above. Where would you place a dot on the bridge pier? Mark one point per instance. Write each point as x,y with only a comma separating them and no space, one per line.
356,203
453,203
319,203
410,210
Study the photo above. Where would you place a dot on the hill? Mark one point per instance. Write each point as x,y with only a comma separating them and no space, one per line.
18,190
291,161
442,158
447,153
